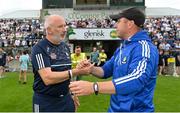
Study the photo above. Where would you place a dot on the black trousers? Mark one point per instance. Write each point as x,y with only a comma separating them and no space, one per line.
44,103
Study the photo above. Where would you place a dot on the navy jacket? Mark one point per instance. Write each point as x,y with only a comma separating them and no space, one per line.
57,57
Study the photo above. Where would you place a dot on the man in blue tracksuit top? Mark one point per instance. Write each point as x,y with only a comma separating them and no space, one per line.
133,68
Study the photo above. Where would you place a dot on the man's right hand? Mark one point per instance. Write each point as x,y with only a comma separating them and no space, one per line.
84,67
83,64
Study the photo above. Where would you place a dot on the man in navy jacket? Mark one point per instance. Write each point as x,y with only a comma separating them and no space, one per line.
51,64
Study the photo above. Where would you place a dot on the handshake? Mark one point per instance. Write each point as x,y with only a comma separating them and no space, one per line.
84,67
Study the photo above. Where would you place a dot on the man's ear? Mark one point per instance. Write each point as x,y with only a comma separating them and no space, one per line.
131,23
49,31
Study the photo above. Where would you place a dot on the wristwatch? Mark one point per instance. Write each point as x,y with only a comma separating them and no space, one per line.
96,88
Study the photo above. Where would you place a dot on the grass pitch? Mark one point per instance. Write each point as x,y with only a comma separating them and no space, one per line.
15,97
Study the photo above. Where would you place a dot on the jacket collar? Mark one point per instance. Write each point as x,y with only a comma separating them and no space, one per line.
141,35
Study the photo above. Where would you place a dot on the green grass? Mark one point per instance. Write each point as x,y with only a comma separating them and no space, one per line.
167,94
15,97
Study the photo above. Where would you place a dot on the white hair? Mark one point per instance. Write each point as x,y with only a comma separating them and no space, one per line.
49,20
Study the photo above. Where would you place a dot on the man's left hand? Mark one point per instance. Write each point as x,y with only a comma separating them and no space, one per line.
81,88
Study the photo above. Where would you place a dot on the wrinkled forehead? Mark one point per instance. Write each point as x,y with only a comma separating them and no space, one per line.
58,21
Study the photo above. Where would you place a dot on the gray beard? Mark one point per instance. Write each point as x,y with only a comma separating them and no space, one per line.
57,38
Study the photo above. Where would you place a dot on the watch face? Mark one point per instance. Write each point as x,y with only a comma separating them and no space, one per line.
96,87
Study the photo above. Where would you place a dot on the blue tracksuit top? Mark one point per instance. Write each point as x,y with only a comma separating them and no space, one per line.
133,68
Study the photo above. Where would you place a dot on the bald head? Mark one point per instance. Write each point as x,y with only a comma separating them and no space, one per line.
52,19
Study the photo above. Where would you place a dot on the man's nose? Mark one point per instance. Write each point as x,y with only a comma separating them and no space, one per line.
65,28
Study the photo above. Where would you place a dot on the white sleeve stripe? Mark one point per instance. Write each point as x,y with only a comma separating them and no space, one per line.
134,73
148,49
42,61
135,77
145,49
37,58
142,47
61,65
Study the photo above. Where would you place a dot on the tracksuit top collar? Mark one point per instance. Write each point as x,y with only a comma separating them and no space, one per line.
141,35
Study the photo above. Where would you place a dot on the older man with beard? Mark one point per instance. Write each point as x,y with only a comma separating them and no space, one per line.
52,70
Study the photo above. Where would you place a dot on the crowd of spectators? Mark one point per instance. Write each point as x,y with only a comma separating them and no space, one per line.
165,32
92,23
20,32
24,33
